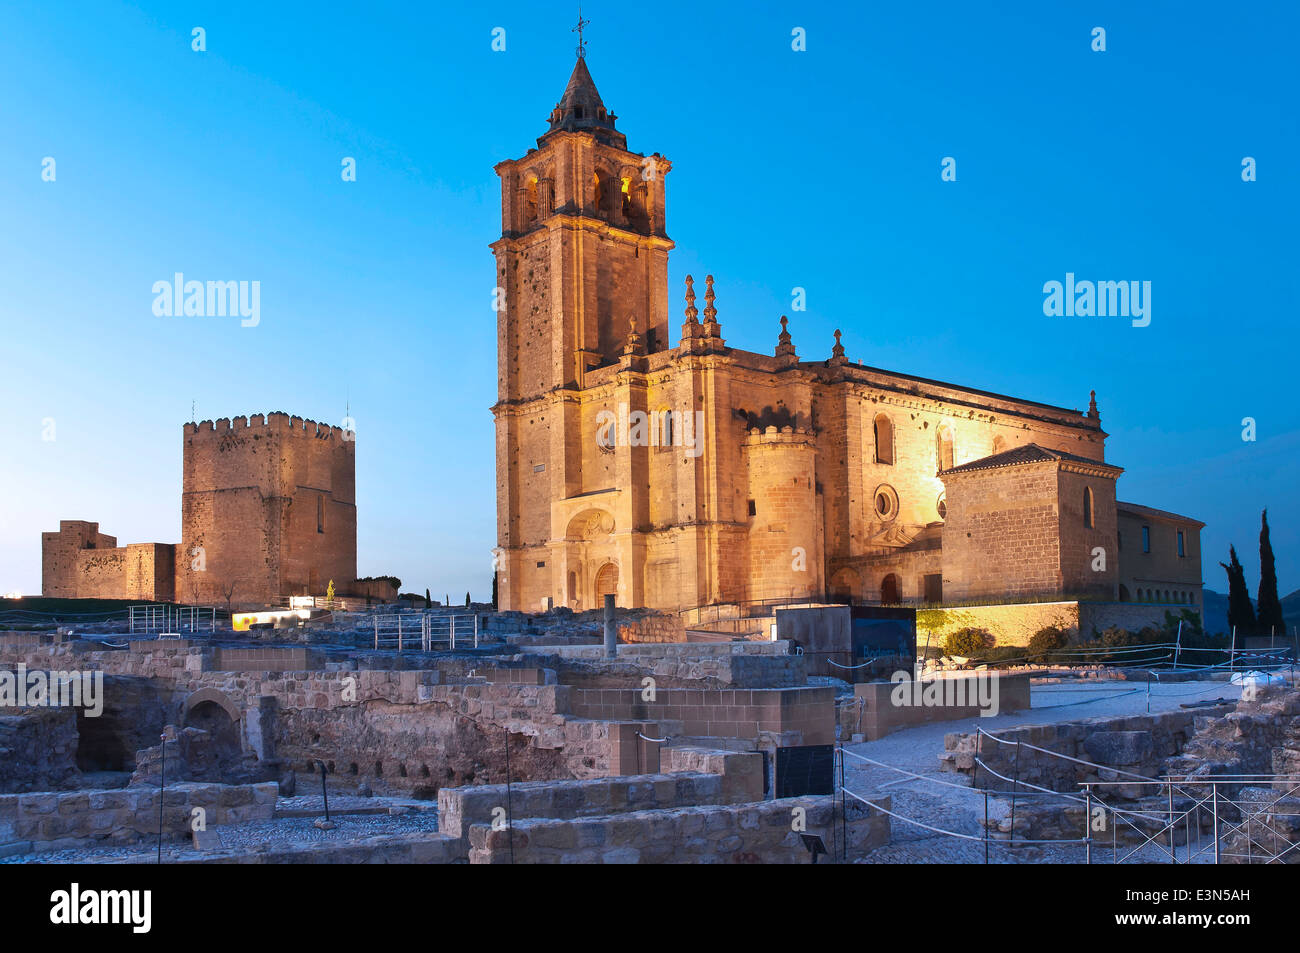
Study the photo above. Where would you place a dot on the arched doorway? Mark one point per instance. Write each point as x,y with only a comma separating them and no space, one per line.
216,721
889,590
606,583
588,542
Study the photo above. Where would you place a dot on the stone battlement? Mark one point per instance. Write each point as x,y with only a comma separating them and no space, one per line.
274,423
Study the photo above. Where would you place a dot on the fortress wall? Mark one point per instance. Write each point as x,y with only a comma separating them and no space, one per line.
270,503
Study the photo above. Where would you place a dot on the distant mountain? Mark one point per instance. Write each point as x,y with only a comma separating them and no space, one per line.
1291,610
1216,611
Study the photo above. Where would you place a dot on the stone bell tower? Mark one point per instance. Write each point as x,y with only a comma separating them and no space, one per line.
581,269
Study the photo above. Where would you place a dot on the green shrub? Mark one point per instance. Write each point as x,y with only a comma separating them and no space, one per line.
1046,642
968,643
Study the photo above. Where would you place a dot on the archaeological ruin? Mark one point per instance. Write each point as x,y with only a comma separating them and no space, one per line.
748,609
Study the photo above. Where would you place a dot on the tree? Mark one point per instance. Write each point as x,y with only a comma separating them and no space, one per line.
428,600
1241,614
1267,603
228,590
329,594
494,591
467,600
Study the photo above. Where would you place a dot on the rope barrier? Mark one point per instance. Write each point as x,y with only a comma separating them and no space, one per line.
852,667
1065,757
940,830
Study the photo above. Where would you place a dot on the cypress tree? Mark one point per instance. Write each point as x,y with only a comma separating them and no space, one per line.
494,591
1241,615
1268,604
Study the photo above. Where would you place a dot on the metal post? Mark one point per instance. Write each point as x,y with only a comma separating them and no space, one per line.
162,788
399,632
1232,652
1015,786
611,634
844,816
1178,645
1215,788
475,630
376,620
324,792
1087,827
510,815
1173,854
452,626
986,827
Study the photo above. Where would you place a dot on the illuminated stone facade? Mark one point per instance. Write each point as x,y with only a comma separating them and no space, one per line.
689,474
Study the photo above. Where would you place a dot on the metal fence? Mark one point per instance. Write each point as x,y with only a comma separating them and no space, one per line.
164,620
1250,819
425,631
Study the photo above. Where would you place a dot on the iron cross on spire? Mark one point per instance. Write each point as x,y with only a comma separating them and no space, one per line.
578,30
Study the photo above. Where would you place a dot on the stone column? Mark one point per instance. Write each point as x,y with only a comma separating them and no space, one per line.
611,632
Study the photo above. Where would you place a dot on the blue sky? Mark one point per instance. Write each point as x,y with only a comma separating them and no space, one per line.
818,169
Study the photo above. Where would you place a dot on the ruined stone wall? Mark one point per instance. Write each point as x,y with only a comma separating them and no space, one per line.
805,714
60,552
656,628
460,808
51,822
875,710
79,562
38,749
749,833
1138,744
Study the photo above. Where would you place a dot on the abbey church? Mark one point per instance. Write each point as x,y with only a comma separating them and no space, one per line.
728,476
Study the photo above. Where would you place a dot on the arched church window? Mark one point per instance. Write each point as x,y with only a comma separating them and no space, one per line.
884,434
530,201
604,195
1088,516
943,448
663,425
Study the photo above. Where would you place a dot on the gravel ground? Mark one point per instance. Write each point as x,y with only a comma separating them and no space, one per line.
962,811
345,803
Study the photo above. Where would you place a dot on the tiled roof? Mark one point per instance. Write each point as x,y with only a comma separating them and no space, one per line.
1029,453
1151,513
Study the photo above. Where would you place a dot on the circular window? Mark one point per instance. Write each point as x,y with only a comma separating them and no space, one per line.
886,502
942,506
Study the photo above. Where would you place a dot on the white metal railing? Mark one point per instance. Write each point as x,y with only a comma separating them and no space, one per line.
194,619
171,620
144,620
424,631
